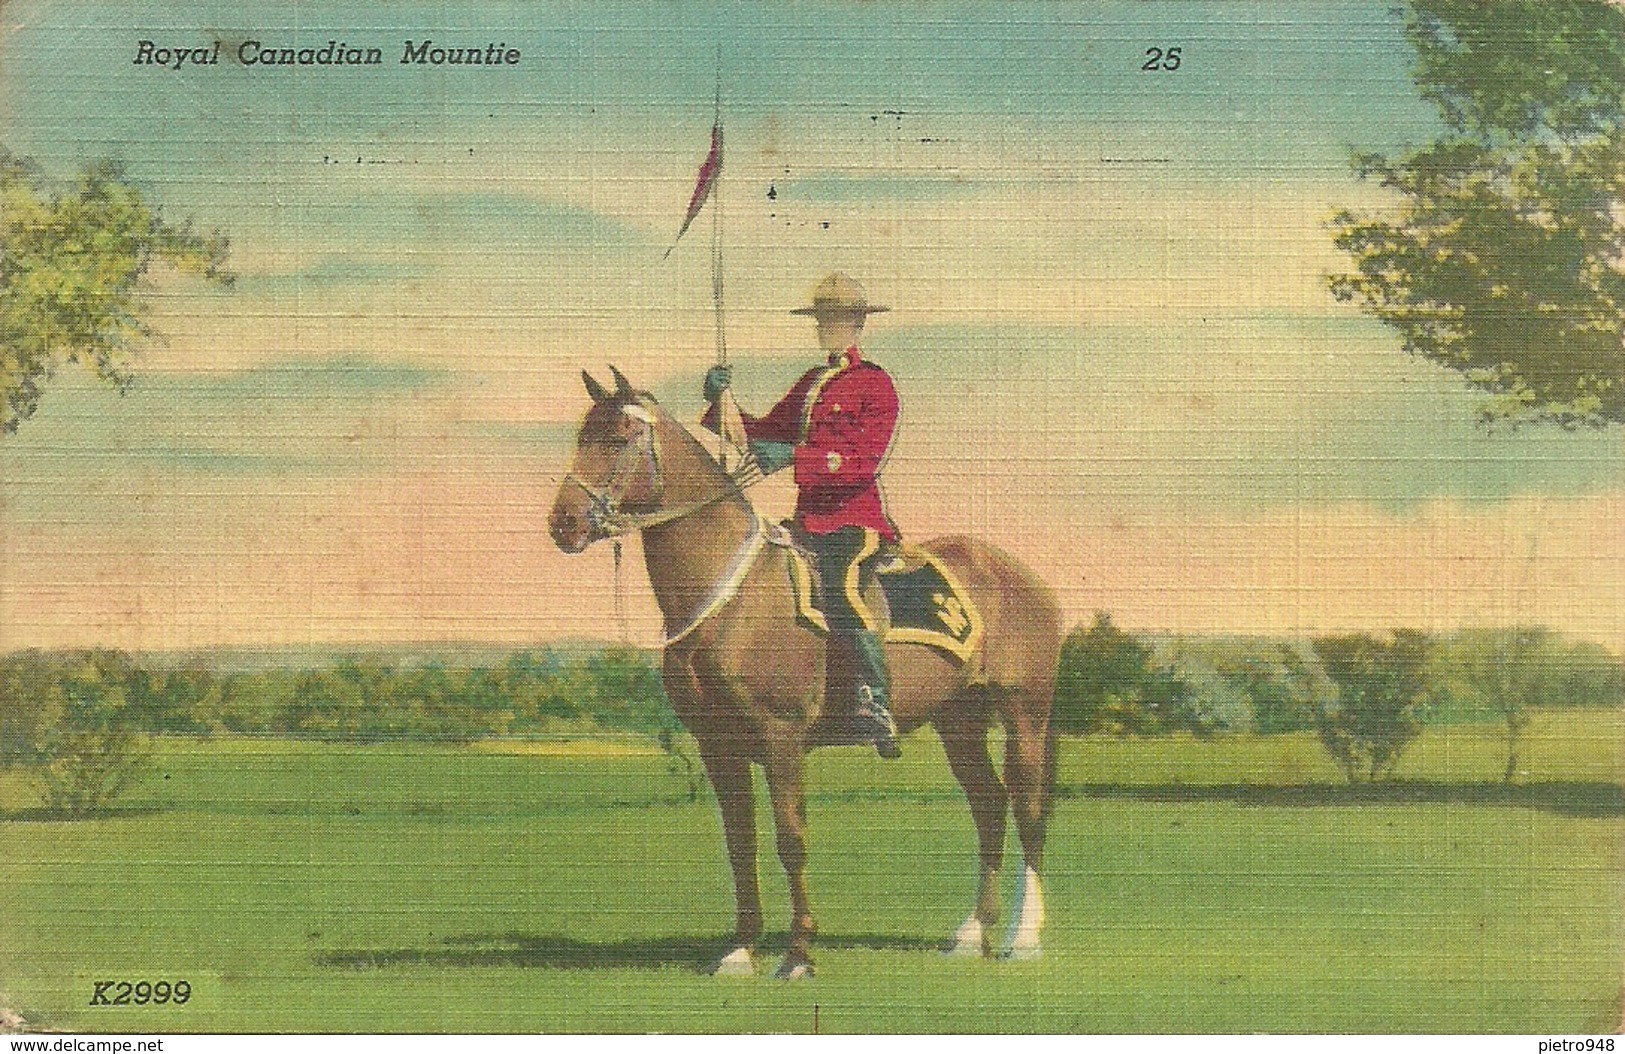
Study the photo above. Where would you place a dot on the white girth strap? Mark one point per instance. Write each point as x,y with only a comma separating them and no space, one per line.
743,560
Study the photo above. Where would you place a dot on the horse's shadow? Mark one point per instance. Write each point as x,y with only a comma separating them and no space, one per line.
1578,798
546,951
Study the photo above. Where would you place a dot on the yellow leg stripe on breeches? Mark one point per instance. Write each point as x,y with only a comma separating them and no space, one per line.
854,595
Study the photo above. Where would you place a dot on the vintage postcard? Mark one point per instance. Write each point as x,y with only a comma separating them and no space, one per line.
898,517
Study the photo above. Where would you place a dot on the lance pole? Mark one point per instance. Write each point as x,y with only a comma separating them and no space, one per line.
716,256
716,225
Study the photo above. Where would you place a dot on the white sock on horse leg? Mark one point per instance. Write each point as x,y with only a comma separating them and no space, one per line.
1027,919
737,963
968,937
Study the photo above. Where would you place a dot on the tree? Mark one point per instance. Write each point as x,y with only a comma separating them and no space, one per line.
1503,259
1287,689
628,691
1101,682
28,705
95,751
167,702
1201,699
1380,685
1514,670
1231,684
1514,683
1590,675
73,269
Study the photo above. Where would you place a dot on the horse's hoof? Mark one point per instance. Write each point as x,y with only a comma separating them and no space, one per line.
794,970
969,940
737,963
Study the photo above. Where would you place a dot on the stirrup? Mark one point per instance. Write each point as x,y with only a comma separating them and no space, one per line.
876,720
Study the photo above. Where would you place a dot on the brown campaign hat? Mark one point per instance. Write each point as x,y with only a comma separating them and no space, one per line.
838,294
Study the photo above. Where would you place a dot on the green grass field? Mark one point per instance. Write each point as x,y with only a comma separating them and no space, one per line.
1232,886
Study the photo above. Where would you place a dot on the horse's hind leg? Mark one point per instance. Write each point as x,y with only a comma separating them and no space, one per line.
1027,773
964,740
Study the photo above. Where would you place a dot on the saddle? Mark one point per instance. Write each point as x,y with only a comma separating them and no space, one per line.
915,598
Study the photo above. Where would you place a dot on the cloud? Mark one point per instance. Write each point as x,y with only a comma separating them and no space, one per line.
330,377
295,419
367,230
1160,420
331,271
902,186
552,437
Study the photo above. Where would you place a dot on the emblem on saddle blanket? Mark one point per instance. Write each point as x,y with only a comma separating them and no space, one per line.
924,603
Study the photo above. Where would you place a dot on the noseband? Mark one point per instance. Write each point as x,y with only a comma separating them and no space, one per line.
606,516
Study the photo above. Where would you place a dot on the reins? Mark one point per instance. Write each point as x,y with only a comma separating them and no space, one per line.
607,516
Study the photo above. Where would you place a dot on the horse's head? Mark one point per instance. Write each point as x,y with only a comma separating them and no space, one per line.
615,472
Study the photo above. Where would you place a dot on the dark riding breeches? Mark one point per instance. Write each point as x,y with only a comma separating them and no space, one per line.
846,567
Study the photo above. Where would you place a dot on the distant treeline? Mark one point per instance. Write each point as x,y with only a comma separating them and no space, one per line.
1114,682
81,722
1110,681
361,698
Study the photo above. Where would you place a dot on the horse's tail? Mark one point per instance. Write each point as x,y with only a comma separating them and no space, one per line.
1052,663
1027,658
1049,766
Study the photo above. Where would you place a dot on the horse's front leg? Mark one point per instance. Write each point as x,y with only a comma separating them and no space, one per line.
731,778
783,765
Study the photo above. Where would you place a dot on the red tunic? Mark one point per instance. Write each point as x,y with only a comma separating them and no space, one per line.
840,419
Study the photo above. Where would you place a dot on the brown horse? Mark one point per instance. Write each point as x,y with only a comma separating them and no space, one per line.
747,680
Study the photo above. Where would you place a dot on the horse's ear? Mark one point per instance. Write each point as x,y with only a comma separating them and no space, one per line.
621,385
594,389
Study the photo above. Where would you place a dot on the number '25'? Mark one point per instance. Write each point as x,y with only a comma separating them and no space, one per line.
1158,59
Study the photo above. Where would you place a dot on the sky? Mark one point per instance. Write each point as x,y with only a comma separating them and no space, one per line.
1111,331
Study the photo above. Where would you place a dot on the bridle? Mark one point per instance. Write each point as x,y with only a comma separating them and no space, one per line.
606,515
609,517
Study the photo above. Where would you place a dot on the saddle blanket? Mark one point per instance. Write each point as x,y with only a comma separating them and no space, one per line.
923,601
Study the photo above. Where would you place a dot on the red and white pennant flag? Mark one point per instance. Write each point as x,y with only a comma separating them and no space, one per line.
709,171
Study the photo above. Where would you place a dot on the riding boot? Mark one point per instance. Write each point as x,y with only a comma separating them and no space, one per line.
874,716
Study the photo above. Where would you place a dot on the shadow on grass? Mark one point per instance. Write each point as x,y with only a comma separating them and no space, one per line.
40,814
1566,798
569,953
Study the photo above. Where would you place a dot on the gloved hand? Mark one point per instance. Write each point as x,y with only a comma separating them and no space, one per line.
717,379
771,456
